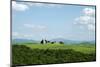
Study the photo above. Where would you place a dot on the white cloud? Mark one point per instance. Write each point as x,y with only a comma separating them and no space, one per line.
20,35
87,19
15,34
29,25
34,4
27,36
26,5
38,4
43,5
19,7
89,11
41,27
36,28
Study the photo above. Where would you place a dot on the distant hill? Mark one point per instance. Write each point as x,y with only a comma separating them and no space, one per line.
92,41
70,41
23,41
64,40
57,40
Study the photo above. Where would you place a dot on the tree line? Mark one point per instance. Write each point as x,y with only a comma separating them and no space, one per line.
52,42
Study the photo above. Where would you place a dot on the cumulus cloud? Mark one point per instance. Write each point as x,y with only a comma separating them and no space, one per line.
89,11
87,19
36,28
19,7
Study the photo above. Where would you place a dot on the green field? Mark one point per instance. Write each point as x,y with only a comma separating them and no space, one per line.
35,53
77,47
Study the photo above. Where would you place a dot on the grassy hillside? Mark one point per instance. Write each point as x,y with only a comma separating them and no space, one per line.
28,53
77,47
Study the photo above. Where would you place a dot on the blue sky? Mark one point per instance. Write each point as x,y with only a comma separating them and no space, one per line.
49,21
